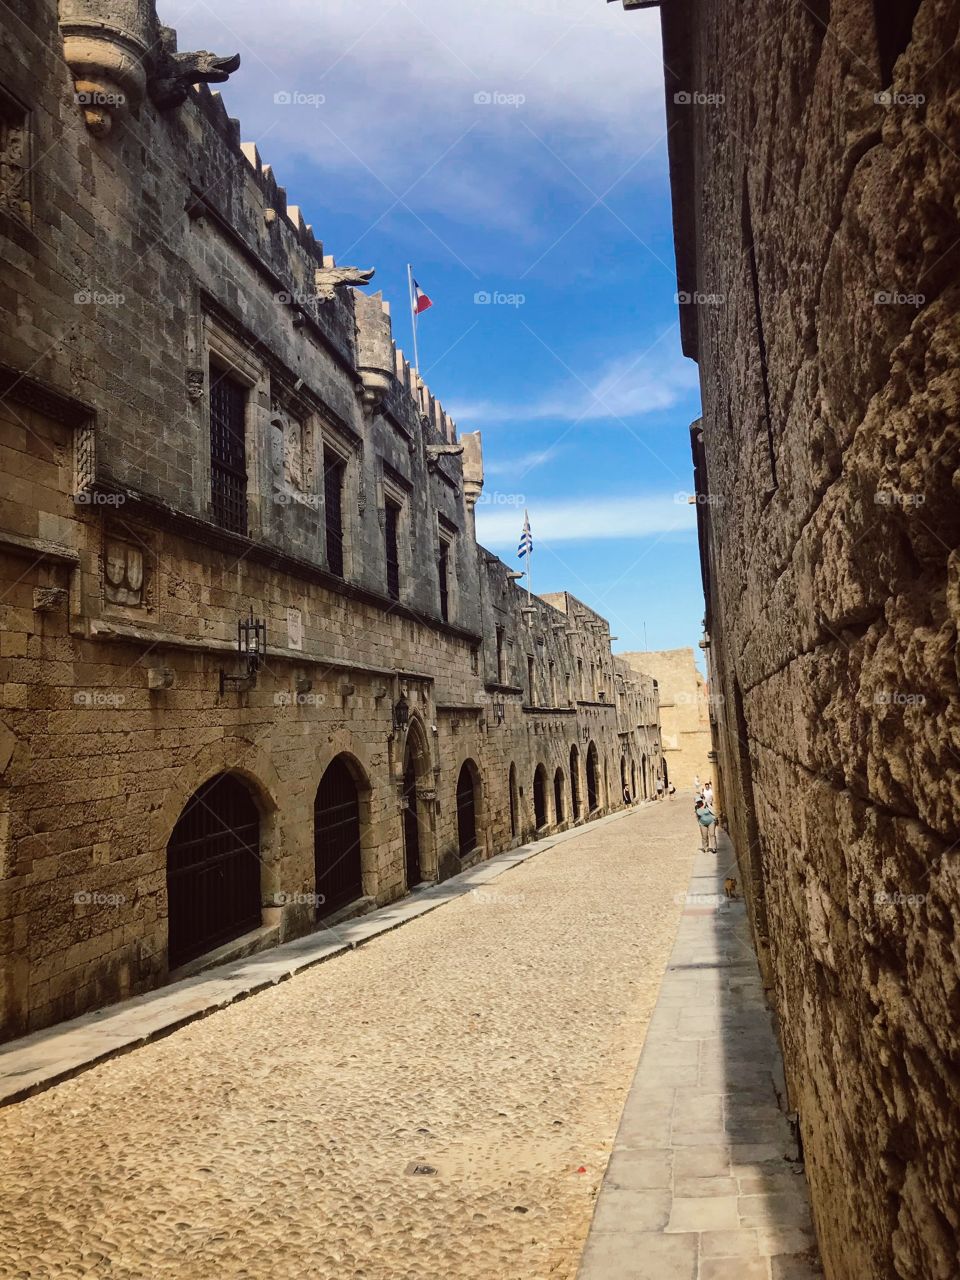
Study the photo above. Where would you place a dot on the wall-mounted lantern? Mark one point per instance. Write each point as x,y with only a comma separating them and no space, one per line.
499,710
401,713
252,647
585,733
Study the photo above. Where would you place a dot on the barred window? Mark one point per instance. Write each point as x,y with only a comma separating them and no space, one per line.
228,457
392,547
333,475
443,575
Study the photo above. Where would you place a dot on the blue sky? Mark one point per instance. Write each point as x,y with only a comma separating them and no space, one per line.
515,150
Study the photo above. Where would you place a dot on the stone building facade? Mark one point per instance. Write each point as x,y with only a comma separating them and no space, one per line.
684,700
256,671
814,159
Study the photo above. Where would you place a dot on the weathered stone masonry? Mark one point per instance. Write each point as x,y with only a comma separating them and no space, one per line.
814,157
200,422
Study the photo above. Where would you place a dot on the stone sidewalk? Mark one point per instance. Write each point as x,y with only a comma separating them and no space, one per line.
703,1182
37,1061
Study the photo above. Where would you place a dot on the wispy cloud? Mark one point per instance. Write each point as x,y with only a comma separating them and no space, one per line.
521,465
589,518
403,79
626,388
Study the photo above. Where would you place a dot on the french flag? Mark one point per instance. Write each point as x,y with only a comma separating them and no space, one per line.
421,302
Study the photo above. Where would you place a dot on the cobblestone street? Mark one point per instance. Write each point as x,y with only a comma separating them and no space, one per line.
493,1040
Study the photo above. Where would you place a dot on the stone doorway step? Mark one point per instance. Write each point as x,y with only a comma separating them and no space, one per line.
703,1181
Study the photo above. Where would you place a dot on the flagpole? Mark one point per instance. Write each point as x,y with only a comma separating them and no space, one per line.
413,318
526,521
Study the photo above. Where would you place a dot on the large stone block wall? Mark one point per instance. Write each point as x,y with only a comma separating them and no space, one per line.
815,172
137,265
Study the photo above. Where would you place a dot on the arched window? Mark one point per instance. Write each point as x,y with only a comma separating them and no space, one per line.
213,870
466,810
540,797
558,796
593,779
514,801
575,781
336,839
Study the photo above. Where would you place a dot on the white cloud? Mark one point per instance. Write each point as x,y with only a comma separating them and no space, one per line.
626,388
521,465
588,518
399,78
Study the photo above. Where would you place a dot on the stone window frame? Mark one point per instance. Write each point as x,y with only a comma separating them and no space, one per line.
447,534
225,351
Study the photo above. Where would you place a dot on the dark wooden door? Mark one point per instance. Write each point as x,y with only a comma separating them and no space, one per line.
466,812
593,780
540,798
411,828
213,870
336,839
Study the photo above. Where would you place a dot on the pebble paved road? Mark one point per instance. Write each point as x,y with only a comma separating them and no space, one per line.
492,1041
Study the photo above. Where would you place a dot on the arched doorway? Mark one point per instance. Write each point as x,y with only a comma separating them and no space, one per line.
575,781
623,774
416,763
467,808
645,778
213,870
540,797
633,781
558,796
593,778
514,802
336,838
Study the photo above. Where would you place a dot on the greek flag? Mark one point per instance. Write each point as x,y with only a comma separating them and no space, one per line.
526,538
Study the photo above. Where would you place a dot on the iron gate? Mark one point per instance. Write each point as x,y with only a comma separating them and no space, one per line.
336,839
213,870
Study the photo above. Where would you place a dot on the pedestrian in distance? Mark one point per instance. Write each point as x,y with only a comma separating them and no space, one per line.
707,821
626,795
671,791
659,788
707,792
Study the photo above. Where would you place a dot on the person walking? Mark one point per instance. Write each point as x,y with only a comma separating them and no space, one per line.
659,788
707,792
707,820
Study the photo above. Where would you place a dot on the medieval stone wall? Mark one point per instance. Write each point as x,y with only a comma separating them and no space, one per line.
684,713
814,158
148,258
